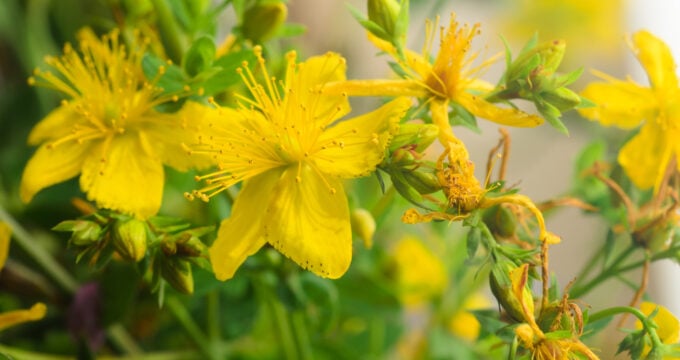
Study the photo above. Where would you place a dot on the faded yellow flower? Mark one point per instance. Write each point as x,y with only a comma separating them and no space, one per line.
291,150
463,323
107,130
15,317
420,274
626,104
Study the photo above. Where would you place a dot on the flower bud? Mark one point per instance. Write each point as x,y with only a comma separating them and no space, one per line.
500,221
262,20
384,13
421,135
505,278
177,273
562,98
424,182
363,224
129,239
84,232
541,60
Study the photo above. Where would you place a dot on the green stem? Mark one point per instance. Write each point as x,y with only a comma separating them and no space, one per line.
283,326
192,329
39,254
647,323
380,208
213,320
612,270
302,335
668,253
170,31
123,339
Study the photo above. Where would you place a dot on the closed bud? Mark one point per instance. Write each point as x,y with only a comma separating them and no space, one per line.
500,221
384,13
262,20
562,98
363,224
177,273
504,279
191,246
420,135
84,232
425,182
129,239
541,60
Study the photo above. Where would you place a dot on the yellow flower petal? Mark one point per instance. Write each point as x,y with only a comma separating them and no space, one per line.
503,116
240,235
11,318
621,103
656,58
50,166
56,124
354,147
5,234
668,326
168,133
646,155
121,175
308,221
312,73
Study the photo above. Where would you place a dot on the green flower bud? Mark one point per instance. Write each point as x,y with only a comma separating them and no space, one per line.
363,224
424,182
500,221
84,232
177,273
191,246
129,239
562,98
420,135
540,60
262,20
502,288
384,13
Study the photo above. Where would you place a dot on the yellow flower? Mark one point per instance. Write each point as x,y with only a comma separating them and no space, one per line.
292,153
668,327
587,26
11,318
420,274
449,78
626,104
108,131
463,323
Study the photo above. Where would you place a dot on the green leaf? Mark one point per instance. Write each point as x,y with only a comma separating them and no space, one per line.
461,116
172,80
472,241
226,75
552,115
200,56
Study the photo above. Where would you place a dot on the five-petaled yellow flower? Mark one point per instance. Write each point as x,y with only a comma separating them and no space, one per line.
449,78
626,104
108,131
291,150
15,317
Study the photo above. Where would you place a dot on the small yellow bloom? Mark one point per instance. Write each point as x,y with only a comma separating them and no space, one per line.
627,104
420,274
449,78
463,323
15,317
668,327
108,131
288,147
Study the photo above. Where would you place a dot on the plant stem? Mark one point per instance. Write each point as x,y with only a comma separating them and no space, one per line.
170,32
39,254
648,324
302,335
192,329
282,323
610,271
